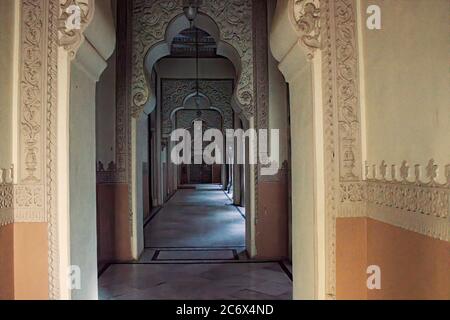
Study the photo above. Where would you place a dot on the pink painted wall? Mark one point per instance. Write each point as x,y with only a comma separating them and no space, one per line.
272,223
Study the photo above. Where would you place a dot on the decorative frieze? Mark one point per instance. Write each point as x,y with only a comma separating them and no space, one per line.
394,195
109,175
409,201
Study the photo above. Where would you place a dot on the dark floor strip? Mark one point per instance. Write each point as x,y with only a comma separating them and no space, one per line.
191,248
286,270
199,262
103,269
155,255
196,249
232,204
155,213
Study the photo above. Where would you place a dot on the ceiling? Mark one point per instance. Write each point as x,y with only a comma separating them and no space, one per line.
184,44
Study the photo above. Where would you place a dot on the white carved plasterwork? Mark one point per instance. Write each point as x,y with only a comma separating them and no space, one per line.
234,19
347,91
6,197
175,91
306,14
71,35
31,87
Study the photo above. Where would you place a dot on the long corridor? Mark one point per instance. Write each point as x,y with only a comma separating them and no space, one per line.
195,249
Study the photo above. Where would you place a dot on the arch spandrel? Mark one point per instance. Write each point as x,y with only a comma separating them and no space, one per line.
233,20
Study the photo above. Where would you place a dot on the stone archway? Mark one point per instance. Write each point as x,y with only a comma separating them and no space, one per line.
318,55
40,181
154,24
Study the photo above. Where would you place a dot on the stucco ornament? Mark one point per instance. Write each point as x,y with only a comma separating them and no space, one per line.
75,16
175,91
307,21
234,19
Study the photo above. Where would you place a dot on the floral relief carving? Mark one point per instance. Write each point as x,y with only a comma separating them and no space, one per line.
234,19
174,92
71,38
347,90
28,196
307,19
31,85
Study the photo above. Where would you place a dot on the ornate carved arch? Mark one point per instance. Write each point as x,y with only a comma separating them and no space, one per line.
234,20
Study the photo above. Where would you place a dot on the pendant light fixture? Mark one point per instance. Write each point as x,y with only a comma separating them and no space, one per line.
190,8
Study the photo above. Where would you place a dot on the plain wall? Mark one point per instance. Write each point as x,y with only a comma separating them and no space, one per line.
413,266
83,219
6,80
7,262
106,114
303,209
407,82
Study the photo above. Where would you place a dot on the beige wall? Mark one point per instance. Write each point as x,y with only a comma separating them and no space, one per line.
407,82
83,182
105,114
141,158
6,80
303,208
278,95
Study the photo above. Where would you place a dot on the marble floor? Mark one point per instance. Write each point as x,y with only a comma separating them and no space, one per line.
195,250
